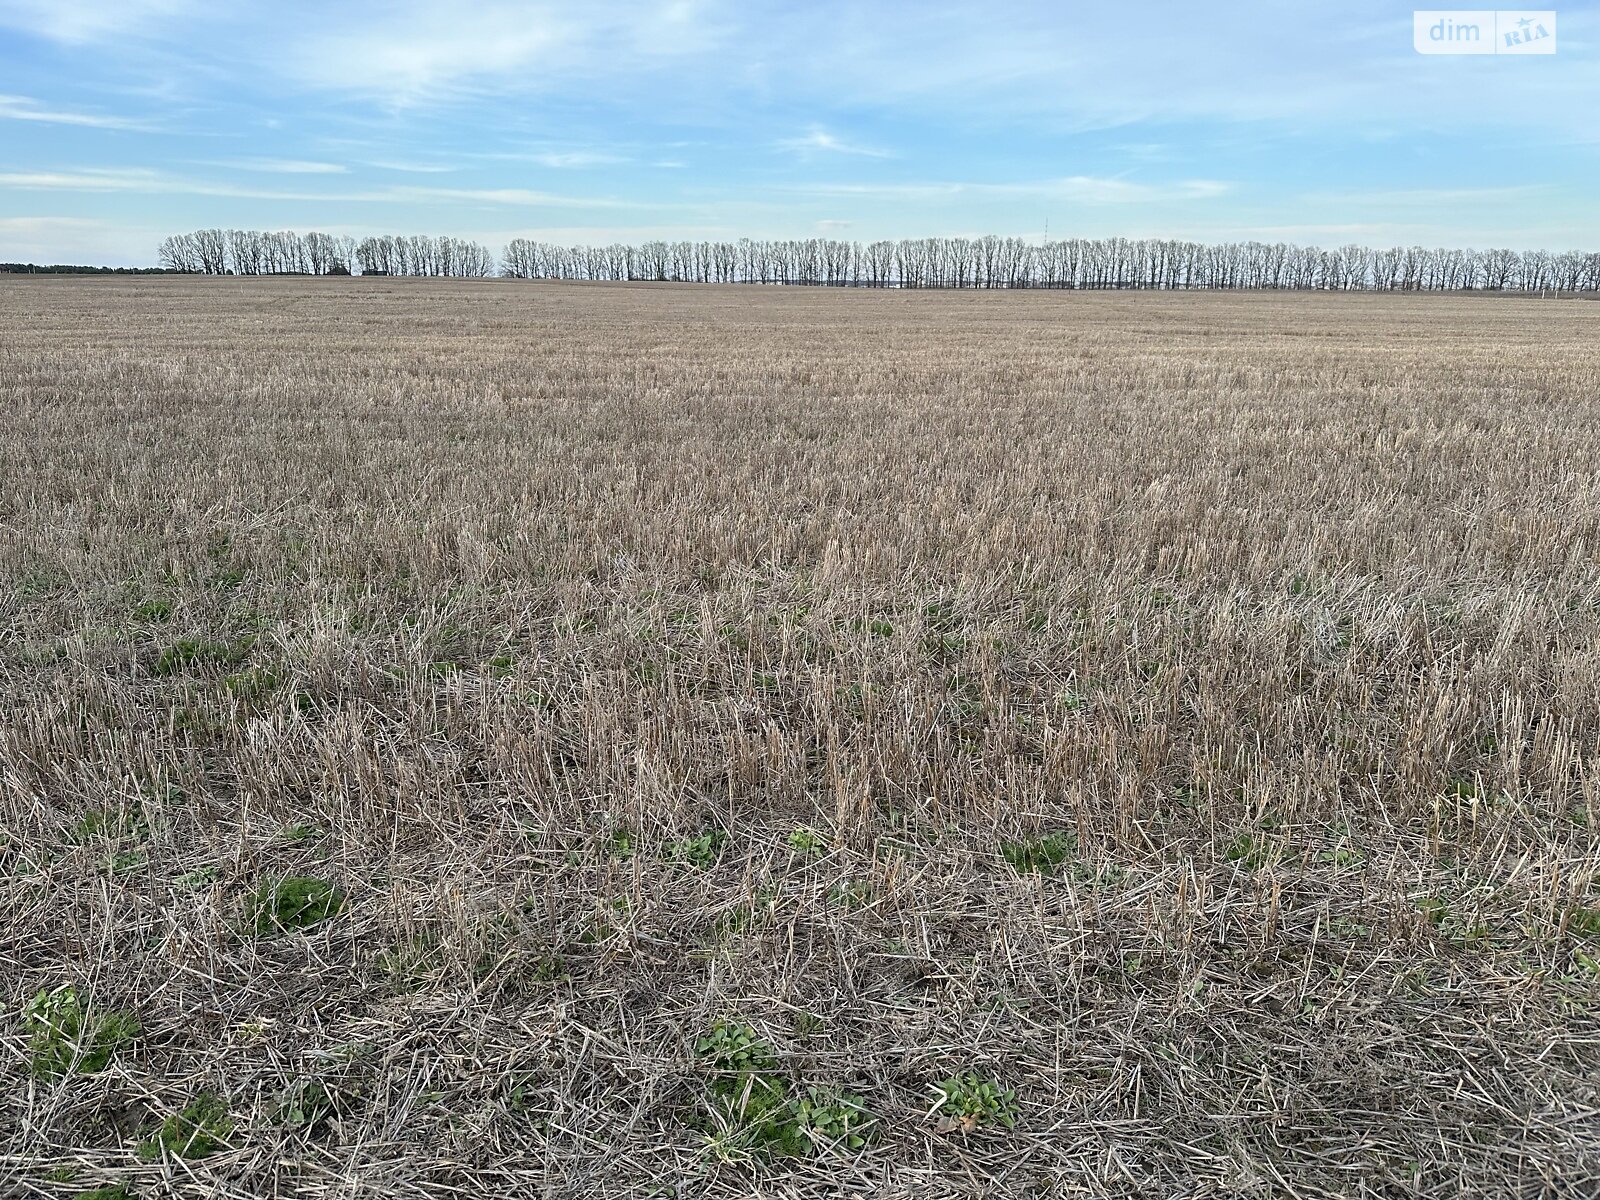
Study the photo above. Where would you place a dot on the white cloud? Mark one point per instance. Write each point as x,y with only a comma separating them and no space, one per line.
284,166
575,158
76,21
415,52
819,139
421,52
416,59
1085,189
1069,68
412,168
514,196
156,183
1430,197
75,240
22,108
89,179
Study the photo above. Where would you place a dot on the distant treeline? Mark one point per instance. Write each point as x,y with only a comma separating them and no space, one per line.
69,269
252,252
985,262
996,262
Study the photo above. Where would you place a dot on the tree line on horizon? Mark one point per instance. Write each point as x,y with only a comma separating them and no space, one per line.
285,252
28,268
955,262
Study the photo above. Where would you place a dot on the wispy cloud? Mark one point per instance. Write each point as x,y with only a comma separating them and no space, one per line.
575,158
22,108
412,168
1411,197
422,52
514,196
32,226
818,140
74,240
284,166
415,52
1147,152
1086,189
87,180
558,156
78,21
156,182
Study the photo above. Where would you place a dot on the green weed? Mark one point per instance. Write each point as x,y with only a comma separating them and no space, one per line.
158,609
123,821
969,1101
63,1036
195,880
292,903
700,852
807,841
252,686
751,1112
1585,922
1039,856
200,1128
189,654
1251,853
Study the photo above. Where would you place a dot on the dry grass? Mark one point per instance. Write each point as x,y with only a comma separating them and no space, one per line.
1267,628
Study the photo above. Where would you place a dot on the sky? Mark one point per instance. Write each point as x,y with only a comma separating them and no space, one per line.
122,121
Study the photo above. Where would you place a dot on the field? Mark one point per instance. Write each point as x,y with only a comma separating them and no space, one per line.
490,738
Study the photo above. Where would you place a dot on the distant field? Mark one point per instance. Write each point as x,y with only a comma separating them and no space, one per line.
490,739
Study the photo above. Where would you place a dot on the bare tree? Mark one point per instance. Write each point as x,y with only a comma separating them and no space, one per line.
179,253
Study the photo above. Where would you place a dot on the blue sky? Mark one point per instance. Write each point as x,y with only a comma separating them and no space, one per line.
124,120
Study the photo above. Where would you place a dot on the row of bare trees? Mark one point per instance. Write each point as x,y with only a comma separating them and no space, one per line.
253,252
424,256
985,262
995,262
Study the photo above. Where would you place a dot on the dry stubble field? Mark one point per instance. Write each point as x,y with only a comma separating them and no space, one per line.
487,739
